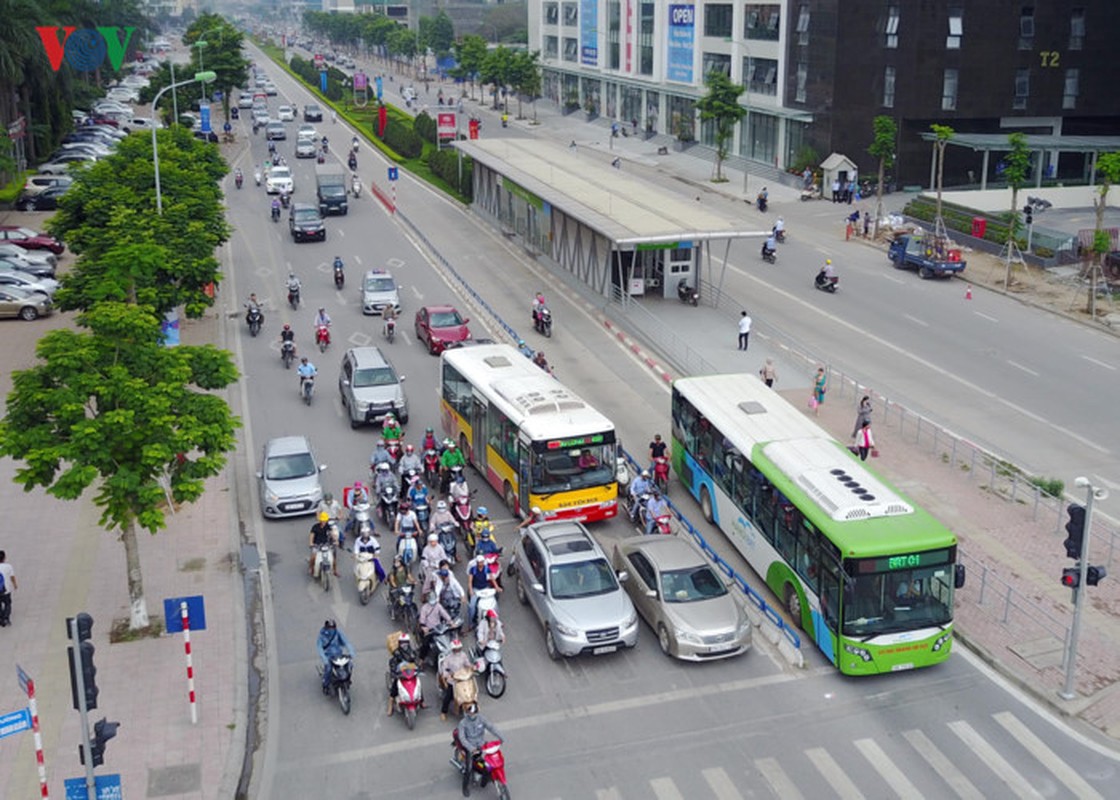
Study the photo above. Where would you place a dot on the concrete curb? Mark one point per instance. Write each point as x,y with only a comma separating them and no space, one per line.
636,349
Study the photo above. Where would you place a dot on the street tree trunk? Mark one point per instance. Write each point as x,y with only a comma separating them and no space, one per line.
1012,224
138,607
940,174
878,197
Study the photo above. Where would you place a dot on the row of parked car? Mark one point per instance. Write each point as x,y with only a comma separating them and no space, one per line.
27,272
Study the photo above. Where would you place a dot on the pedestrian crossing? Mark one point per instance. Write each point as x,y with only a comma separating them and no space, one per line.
950,759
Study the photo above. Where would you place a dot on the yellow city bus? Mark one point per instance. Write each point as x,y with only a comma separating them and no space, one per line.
536,442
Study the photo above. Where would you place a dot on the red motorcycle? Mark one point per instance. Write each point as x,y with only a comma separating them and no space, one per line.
661,474
322,337
393,447
489,765
409,694
431,467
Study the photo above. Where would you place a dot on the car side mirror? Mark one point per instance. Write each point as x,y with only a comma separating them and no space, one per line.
536,587
623,576
958,576
260,475
401,379
322,467
651,593
344,382
466,320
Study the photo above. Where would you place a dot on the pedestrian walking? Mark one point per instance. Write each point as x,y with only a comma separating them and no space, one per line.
866,223
820,386
7,586
863,415
768,373
744,331
865,442
836,191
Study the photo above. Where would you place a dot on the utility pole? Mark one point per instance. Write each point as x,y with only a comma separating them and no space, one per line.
1080,577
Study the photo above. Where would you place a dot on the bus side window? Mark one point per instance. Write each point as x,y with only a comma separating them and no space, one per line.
785,532
740,489
830,593
808,554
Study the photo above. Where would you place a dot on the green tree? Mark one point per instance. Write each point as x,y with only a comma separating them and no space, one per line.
1108,173
884,135
497,69
470,51
113,407
942,134
128,252
222,55
441,34
526,78
1018,169
721,107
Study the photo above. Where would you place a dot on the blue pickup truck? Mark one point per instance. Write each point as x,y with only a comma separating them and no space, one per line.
930,259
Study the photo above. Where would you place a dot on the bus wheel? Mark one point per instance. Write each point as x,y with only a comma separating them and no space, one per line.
793,605
706,504
511,498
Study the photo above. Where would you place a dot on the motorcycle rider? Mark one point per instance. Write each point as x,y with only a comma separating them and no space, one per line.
398,576
331,507
429,442
490,629
387,314
542,362
294,286
380,456
657,449
452,457
827,273
367,544
275,208
643,484
406,524
352,162
432,554
404,654
443,584
478,577
432,615
770,246
306,371
287,335
257,171
482,525
354,145
320,535
655,507
780,230
322,318
455,661
358,495
331,642
538,304
472,735
391,429
409,461
442,516
238,178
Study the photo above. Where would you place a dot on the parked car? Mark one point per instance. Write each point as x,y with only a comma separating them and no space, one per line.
40,258
289,479
439,326
565,577
370,387
306,223
245,100
29,239
39,183
28,283
312,113
34,271
286,114
24,305
63,163
379,291
43,201
143,124
684,600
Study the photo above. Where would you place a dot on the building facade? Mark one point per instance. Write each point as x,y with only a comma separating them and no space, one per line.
817,72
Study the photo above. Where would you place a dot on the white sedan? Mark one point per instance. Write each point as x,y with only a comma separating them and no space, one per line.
286,113
279,180
307,129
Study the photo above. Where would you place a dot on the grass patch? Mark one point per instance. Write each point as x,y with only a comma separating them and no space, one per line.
120,632
193,565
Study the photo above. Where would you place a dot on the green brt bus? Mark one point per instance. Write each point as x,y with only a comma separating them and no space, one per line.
863,571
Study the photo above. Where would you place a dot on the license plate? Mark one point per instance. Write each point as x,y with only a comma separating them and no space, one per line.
610,648
901,667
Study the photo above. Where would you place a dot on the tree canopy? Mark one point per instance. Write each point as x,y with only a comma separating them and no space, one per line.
721,107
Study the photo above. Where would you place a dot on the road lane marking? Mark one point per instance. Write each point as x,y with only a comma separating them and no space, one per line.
721,783
923,323
1047,757
943,766
998,764
985,316
774,775
831,771
1017,365
887,769
1092,360
608,794
665,789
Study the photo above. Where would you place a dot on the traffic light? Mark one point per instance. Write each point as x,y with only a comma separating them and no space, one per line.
1027,212
84,624
1076,530
1094,574
1071,577
103,731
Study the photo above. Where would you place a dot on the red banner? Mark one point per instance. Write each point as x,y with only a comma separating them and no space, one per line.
382,121
445,124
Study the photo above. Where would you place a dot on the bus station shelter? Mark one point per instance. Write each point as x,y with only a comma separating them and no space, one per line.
620,234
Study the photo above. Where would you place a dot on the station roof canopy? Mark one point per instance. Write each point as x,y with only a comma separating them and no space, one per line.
997,142
622,207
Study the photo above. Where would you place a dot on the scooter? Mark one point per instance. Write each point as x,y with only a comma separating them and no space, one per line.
489,662
439,646
423,508
448,540
769,256
402,606
661,474
761,203
635,506
342,670
686,293
488,767
393,448
487,599
388,501
339,275
462,511
464,687
661,525
255,319
390,329
293,297
410,696
307,388
238,179
542,322
431,468
780,235
352,163
356,186
285,200
365,574
324,565
825,283
407,548
287,353
276,212
323,337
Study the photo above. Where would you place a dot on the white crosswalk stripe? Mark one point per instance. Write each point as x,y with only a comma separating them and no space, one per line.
885,767
826,765
665,789
998,764
721,784
608,794
1047,757
943,766
779,782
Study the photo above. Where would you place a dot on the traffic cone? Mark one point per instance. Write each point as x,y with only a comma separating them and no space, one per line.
968,291
848,233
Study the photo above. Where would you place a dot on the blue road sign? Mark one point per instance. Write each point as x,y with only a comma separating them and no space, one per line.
15,722
24,678
173,617
204,116
393,173
107,787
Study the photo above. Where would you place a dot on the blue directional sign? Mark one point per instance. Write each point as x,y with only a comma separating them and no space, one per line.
106,787
24,678
15,722
204,116
173,617
393,173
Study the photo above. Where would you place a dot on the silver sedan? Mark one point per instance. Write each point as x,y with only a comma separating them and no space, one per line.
683,599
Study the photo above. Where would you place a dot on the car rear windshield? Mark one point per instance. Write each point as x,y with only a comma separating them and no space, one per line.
581,579
296,465
446,319
374,376
381,283
690,585
306,215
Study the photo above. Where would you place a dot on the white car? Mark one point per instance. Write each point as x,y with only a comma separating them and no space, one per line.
286,113
245,100
62,164
29,258
308,130
126,94
104,106
279,180
143,124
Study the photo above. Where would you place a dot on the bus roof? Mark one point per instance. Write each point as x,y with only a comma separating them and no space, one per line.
862,513
539,404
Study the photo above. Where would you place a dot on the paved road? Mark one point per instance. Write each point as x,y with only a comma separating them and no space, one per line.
751,727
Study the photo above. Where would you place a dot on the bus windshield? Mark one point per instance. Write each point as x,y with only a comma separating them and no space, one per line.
899,601
581,468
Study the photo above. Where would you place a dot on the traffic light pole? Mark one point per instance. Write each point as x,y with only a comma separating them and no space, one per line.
76,657
1091,493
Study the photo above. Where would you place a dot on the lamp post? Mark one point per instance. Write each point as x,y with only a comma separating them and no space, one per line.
199,77
174,94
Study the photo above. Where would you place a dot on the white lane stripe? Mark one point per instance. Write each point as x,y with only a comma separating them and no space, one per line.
985,316
943,766
826,765
608,794
1092,360
986,753
1027,370
665,789
721,784
921,322
779,782
886,768
1047,757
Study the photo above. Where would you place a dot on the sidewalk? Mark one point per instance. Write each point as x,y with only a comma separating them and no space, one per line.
65,564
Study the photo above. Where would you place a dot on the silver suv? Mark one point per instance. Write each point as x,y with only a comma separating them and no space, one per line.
379,291
567,579
370,387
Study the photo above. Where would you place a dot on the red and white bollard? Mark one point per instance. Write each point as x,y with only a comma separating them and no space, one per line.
31,707
190,665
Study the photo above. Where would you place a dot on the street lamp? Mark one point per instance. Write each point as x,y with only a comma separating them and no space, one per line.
199,77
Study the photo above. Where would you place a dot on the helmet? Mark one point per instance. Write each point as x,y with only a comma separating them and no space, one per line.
481,559
484,533
382,467
328,497
357,485
409,448
491,614
828,261
330,623
433,537
287,327
441,506
471,709
405,639
427,430
483,512
380,442
645,473
520,342
405,505
456,644
536,510
324,516
433,598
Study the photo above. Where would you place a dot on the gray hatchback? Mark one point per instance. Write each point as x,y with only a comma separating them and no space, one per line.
289,478
370,387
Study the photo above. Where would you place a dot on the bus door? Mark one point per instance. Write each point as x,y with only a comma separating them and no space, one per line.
481,435
524,475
